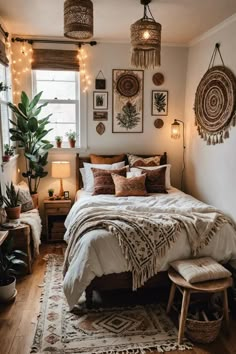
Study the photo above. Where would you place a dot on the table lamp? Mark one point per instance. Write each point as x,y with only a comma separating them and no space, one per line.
61,169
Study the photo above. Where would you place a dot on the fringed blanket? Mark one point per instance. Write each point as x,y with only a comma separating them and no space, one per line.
145,237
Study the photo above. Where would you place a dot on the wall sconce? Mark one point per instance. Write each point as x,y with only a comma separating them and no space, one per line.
176,134
61,169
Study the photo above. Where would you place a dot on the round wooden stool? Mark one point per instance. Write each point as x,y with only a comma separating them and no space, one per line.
210,286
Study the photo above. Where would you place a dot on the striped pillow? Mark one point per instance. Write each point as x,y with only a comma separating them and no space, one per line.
135,161
125,187
103,182
200,269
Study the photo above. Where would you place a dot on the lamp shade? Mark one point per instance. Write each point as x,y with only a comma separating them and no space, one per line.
175,130
78,19
60,169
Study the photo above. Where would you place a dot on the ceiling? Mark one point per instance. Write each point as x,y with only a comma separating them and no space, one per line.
182,20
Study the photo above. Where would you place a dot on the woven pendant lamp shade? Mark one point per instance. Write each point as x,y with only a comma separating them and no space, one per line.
78,19
146,42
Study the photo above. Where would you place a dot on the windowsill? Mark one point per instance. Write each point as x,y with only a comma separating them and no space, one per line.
8,163
67,150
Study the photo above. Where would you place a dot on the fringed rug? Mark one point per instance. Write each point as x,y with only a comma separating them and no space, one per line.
129,330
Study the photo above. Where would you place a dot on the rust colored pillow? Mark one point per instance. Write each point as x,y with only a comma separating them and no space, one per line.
135,161
155,180
103,182
96,159
125,187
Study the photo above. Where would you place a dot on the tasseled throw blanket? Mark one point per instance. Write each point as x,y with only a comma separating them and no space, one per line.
145,237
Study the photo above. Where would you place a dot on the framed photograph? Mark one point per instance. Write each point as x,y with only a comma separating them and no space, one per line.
127,101
100,115
66,195
159,103
100,100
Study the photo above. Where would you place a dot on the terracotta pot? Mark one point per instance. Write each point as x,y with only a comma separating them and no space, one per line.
58,144
72,143
35,198
8,291
6,158
13,213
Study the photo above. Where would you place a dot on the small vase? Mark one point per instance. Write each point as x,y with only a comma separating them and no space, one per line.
72,143
13,213
58,144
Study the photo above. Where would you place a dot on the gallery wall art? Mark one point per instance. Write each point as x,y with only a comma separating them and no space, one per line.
127,101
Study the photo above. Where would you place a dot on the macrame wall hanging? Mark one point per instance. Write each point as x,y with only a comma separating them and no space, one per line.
215,102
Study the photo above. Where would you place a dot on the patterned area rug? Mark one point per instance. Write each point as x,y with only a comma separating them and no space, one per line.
129,330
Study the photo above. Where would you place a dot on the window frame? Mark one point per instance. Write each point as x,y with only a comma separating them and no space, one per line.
76,102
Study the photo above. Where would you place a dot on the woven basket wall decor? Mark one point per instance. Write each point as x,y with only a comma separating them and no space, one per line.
215,104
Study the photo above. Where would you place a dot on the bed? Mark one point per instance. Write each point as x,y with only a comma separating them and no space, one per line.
96,262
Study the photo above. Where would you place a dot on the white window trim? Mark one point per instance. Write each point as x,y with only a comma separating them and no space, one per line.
81,112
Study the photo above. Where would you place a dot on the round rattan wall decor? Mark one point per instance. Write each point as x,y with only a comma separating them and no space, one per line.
128,85
215,104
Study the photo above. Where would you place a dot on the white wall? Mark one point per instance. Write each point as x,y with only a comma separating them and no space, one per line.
211,169
106,57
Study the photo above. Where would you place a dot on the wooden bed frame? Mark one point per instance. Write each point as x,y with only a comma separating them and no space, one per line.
117,280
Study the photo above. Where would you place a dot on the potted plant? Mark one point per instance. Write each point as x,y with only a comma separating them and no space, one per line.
71,137
11,264
58,140
11,201
29,131
8,152
50,192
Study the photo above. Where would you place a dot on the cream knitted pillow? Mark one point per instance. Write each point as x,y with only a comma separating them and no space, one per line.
200,269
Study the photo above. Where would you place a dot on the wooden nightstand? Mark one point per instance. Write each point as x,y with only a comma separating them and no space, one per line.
55,215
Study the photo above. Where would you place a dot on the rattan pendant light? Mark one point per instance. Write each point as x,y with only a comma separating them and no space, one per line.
78,19
146,40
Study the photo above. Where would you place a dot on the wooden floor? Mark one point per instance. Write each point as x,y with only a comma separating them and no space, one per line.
18,320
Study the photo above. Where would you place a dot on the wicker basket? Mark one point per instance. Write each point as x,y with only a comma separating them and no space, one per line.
203,331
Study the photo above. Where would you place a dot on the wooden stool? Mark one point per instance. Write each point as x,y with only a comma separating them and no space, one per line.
210,286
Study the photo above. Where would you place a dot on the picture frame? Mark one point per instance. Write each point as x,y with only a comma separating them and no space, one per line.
127,101
100,100
100,115
160,102
66,195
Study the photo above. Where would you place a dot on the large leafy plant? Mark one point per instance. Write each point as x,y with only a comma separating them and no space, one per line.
30,131
11,262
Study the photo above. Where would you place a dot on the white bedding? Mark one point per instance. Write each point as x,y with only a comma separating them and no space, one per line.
98,252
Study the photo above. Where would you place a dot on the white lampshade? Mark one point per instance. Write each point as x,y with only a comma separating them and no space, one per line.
60,169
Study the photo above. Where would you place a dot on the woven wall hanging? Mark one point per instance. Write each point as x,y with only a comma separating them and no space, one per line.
215,102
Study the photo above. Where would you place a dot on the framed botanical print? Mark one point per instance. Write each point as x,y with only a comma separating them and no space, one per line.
100,100
159,103
127,101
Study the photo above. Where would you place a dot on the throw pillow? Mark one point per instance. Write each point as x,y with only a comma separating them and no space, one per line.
103,182
24,197
155,180
125,187
106,160
135,161
200,269
89,174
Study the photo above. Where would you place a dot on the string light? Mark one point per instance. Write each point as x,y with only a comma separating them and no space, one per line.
21,60
85,79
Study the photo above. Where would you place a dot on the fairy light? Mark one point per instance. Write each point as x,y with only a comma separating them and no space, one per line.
21,60
85,79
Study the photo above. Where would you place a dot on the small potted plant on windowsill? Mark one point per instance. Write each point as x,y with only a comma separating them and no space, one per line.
11,201
8,152
58,140
71,138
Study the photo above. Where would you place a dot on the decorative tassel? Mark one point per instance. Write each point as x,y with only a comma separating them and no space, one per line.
226,134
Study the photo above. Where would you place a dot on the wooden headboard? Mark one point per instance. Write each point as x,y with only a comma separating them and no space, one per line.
81,159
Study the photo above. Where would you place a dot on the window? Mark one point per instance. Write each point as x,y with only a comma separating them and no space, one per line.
5,97
61,91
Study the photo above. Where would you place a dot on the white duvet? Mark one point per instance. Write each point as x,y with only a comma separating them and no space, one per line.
98,252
